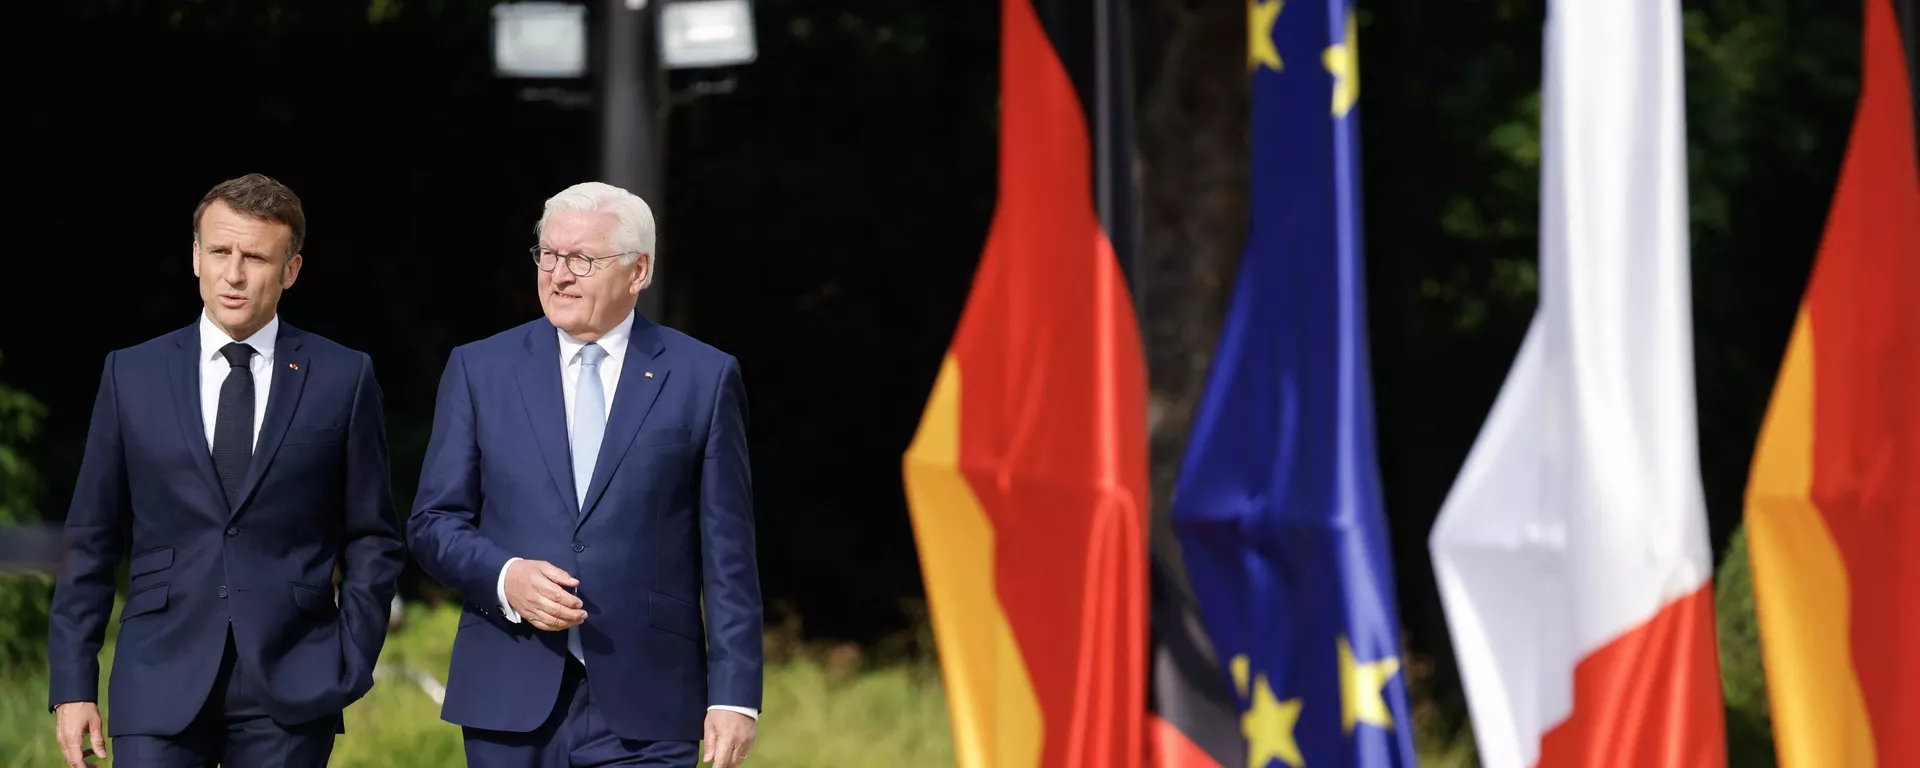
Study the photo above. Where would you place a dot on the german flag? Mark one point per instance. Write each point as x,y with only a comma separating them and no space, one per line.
1833,505
1027,479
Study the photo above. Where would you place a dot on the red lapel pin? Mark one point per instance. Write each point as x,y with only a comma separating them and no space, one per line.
294,366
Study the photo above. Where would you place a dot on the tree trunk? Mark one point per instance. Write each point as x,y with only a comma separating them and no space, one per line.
1193,173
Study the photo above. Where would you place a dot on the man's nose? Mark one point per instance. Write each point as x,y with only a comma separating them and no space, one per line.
233,274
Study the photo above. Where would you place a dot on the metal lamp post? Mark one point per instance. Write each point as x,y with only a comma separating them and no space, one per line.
638,41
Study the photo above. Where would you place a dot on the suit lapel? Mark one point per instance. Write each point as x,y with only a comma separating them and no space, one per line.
633,399
546,410
290,374
183,369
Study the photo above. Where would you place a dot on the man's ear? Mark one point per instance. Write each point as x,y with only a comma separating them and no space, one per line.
291,272
643,269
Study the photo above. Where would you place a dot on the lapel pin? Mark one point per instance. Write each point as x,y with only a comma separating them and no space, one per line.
294,366
649,374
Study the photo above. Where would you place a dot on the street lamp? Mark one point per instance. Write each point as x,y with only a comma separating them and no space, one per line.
539,40
706,33
637,41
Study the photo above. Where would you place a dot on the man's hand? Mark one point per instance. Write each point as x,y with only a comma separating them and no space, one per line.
537,590
729,738
78,726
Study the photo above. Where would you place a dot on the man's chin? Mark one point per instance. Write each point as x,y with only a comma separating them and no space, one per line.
238,323
564,318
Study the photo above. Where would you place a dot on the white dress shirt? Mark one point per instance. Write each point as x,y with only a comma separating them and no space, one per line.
214,369
615,344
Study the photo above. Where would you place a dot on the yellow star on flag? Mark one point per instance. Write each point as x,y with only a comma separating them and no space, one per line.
1343,60
1261,14
1268,722
1362,699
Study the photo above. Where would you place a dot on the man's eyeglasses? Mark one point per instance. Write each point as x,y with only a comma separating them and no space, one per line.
579,264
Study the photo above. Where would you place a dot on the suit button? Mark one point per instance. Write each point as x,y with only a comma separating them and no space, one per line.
233,531
579,547
223,593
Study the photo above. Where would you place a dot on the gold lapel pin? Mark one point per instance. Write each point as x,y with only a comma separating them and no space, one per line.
649,374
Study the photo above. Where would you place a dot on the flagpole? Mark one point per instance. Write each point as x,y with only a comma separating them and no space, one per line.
1113,139
1907,17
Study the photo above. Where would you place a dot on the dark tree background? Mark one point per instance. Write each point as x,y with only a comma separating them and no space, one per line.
822,222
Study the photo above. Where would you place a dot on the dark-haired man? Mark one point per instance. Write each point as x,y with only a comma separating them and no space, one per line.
239,461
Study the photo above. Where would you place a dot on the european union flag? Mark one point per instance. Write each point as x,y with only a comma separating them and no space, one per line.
1278,506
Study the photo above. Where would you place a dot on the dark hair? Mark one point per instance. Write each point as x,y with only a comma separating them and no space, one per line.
260,197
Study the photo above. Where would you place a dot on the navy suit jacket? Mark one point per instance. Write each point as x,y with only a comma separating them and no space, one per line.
667,521
315,496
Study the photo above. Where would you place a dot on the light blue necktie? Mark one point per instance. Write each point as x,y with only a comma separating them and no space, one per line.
589,420
589,426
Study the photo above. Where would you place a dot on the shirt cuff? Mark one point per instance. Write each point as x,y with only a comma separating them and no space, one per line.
753,713
500,593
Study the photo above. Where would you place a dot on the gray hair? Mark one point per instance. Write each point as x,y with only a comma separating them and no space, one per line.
633,229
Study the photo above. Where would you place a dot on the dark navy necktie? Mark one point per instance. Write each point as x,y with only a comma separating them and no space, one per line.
233,426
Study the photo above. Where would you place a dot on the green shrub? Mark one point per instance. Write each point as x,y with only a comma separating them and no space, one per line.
1743,680
20,417
24,597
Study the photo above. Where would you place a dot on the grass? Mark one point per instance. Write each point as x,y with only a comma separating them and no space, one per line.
834,708
830,711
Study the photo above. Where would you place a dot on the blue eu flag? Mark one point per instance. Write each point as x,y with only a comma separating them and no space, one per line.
1278,506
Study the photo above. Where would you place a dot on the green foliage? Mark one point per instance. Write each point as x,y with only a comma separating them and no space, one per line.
24,598
25,603
1770,95
1743,680
20,417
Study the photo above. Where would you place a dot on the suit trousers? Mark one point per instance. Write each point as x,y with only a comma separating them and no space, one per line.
231,730
573,736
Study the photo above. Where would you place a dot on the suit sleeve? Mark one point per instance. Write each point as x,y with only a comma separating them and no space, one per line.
96,529
444,528
374,552
728,557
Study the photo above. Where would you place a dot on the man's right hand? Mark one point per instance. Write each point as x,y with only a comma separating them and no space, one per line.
537,590
78,726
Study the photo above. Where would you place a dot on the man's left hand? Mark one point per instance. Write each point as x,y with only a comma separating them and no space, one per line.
729,738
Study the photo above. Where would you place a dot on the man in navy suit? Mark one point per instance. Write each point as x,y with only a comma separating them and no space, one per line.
585,488
239,461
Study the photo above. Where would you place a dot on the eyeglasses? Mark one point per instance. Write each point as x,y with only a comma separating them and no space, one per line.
579,264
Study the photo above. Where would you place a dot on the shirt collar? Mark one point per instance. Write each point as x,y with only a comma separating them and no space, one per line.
212,338
613,341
